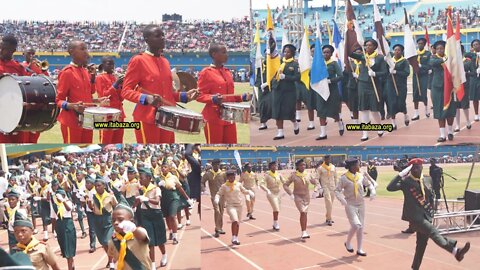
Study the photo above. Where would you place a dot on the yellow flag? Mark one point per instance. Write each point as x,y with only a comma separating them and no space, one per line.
269,19
329,34
273,59
256,40
305,60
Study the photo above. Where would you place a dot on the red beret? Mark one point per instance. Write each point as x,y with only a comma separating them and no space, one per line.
415,161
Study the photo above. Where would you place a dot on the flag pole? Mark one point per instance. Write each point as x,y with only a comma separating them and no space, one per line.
418,85
394,83
373,80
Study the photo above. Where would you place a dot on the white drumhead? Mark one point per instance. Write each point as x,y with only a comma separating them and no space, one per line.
236,105
101,110
180,111
11,104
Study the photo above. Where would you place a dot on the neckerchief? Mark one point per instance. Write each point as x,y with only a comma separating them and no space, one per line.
33,243
80,184
231,185
274,175
371,167
32,188
328,61
420,53
100,200
42,189
399,59
302,175
370,56
196,155
145,190
215,173
60,207
357,66
123,248
420,181
282,66
327,168
11,212
354,179
444,58
169,184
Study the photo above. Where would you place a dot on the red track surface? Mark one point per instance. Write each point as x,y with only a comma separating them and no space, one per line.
185,255
421,132
262,248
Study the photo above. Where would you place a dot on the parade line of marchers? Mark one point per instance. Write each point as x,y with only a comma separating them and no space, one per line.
369,127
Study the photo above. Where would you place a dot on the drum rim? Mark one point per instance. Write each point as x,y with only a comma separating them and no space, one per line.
113,110
195,114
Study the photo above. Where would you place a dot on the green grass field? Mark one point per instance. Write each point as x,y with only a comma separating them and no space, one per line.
54,135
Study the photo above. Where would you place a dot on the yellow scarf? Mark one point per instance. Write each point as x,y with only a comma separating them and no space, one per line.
399,59
231,185
33,243
371,167
169,184
60,207
11,212
147,189
80,184
215,173
329,61
282,67
357,66
100,199
195,155
354,179
302,175
370,56
32,188
273,174
420,53
327,168
42,190
123,248
444,58
420,180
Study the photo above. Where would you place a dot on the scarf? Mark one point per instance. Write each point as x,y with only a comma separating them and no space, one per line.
169,184
123,248
302,175
329,61
100,200
354,178
231,185
368,57
215,173
80,184
399,59
33,243
444,57
371,167
327,168
11,212
357,66
195,155
282,67
420,53
32,188
60,207
42,190
145,190
420,181
274,175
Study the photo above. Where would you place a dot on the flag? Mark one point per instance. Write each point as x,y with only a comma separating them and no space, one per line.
461,89
258,54
409,52
305,60
382,42
273,59
285,39
329,34
337,42
319,73
353,34
453,66
427,37
236,154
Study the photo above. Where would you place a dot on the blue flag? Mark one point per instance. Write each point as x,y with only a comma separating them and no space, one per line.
319,73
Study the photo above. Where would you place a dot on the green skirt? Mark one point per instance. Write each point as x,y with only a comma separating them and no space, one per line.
474,89
465,102
331,106
396,104
183,201
265,108
152,221
44,208
422,95
367,100
66,237
307,96
102,225
352,102
283,106
437,101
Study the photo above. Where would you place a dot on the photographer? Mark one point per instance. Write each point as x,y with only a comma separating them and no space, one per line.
436,175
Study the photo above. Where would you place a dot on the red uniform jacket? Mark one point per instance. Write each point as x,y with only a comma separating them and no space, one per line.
103,82
35,68
152,73
13,67
73,86
212,81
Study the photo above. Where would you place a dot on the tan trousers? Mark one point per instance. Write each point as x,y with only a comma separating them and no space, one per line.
329,195
218,212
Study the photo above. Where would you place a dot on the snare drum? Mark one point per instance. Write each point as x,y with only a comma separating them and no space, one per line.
27,103
179,120
98,114
235,112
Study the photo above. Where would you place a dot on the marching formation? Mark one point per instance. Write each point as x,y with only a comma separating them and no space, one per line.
126,196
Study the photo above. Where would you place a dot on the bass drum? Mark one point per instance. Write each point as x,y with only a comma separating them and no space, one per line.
27,103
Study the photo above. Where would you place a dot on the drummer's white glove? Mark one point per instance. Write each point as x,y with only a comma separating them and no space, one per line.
355,75
328,81
429,71
59,197
282,76
127,226
37,198
393,71
292,196
419,65
142,198
263,86
161,183
405,171
217,199
478,70
371,73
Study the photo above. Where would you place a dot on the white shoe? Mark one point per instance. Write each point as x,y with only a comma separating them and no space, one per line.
179,226
163,262
188,222
55,234
305,235
35,231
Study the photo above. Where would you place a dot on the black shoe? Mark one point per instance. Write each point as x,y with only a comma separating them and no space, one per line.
221,232
275,229
383,117
84,235
389,116
407,122
171,236
476,120
235,243
216,235
349,250
427,115
175,241
441,139
296,131
108,265
450,137
462,251
380,134
341,132
252,218
262,128
321,138
416,118
92,250
469,126
329,223
310,128
409,231
364,139
278,138
248,215
299,120
361,253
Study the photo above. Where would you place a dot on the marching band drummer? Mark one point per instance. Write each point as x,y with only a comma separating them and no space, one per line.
148,81
216,86
75,87
11,66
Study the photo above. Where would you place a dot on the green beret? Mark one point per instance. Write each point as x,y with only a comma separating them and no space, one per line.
131,169
13,193
145,171
90,179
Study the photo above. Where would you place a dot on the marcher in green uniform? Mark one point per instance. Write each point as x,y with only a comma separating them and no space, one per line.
44,205
418,211
66,234
464,104
331,106
397,102
373,66
475,77
284,92
352,86
309,97
151,215
423,76
264,98
439,112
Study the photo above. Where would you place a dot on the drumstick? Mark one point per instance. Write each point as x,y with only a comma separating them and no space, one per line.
145,91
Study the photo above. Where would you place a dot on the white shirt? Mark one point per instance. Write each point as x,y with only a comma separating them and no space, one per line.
90,194
66,214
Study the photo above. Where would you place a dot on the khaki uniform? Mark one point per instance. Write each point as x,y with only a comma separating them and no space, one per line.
215,181
139,249
131,188
41,255
355,207
108,204
300,190
328,181
273,183
233,198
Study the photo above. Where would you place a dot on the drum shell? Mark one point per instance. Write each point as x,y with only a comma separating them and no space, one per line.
90,117
178,122
233,113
